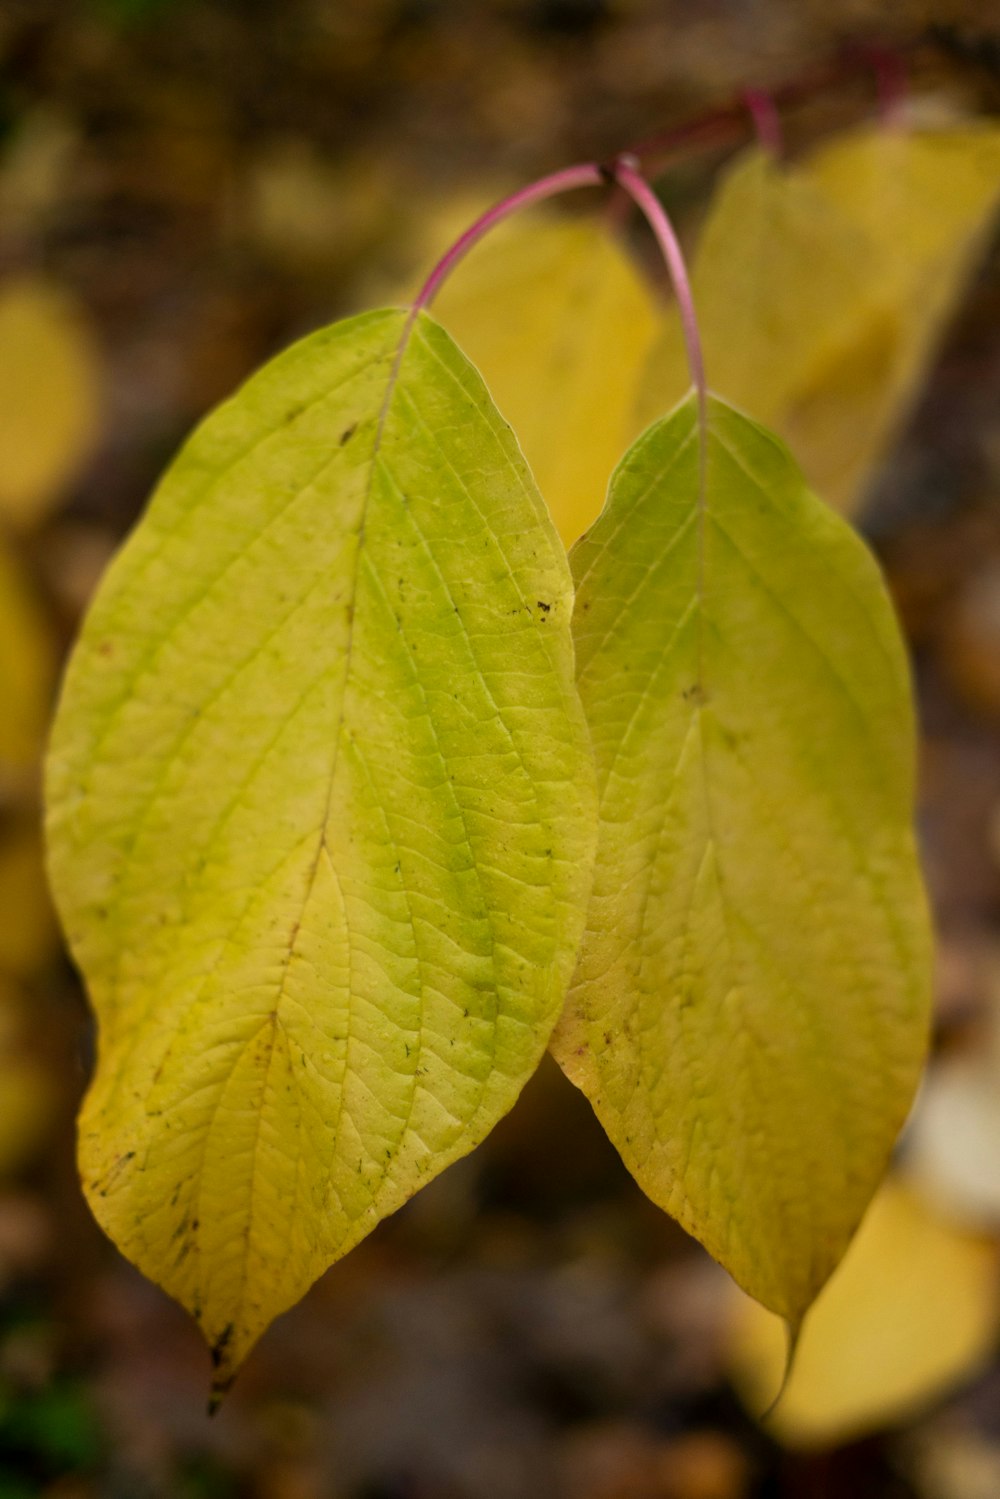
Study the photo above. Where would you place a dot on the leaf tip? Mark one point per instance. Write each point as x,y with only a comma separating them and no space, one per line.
793,1336
224,1369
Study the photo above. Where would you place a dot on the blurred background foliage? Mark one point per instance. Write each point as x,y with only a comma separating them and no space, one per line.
186,185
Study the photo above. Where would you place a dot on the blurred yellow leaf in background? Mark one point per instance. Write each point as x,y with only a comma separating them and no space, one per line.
912,1309
310,213
27,921
37,167
49,396
822,290
26,672
560,325
924,201
779,284
953,1143
29,1092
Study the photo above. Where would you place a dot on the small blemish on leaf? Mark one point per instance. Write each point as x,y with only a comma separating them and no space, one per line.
348,433
218,1349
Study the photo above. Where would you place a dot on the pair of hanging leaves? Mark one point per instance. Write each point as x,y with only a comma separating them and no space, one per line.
357,799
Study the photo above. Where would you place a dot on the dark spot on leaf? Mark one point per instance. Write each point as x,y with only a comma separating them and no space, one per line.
348,433
220,1345
546,608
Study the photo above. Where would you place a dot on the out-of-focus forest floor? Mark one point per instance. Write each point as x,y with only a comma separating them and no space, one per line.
210,179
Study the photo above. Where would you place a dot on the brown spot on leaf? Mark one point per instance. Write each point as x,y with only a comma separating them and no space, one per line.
218,1350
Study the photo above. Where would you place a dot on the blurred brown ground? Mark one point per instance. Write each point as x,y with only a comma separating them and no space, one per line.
211,179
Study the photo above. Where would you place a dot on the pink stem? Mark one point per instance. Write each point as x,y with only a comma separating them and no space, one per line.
721,126
766,120
589,174
627,176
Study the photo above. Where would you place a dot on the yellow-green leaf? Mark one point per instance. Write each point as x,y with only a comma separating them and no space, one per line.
924,201
321,818
561,325
912,1311
749,1012
49,401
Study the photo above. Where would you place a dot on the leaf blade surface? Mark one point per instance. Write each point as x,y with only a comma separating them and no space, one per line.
749,1013
320,818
